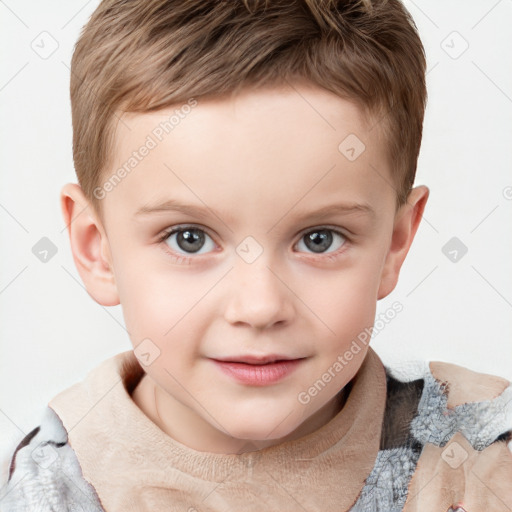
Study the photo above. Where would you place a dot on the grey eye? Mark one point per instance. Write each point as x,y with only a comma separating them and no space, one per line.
189,240
319,240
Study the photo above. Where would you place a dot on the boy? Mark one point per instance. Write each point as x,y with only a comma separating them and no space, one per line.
279,140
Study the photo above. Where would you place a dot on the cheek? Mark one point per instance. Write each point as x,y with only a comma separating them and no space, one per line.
345,291
351,315
163,304
344,303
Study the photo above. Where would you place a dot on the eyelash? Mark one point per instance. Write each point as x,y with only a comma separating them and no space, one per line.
188,259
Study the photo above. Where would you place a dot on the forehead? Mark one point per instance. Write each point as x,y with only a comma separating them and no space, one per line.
260,151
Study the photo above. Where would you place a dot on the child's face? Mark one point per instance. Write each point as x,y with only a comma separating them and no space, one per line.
243,277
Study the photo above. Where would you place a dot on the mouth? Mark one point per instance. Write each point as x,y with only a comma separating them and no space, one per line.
259,371
258,360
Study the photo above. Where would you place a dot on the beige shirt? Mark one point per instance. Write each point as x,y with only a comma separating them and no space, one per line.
135,466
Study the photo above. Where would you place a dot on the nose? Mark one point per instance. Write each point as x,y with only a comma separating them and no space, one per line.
258,296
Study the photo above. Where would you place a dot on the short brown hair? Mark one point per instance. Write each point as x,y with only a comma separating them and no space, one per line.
144,55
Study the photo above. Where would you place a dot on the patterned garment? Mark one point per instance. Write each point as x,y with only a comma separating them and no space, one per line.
436,447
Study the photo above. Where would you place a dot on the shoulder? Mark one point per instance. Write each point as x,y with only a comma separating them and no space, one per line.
467,386
446,438
458,399
438,399
463,424
44,473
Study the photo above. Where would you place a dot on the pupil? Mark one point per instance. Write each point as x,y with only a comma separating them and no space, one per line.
189,237
321,240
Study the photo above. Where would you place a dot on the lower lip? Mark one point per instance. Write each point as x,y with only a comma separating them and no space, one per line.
259,375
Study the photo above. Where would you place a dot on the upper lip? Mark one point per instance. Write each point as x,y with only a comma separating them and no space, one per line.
252,359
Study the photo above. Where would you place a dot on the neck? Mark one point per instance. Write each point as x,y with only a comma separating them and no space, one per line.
196,433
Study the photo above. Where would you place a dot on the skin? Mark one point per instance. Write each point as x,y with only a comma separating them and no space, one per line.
260,160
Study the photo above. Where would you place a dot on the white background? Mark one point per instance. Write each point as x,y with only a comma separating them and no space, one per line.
52,332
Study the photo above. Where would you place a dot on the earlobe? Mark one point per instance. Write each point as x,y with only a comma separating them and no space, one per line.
407,221
89,245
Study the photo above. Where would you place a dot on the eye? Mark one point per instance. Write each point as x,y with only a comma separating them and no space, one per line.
189,239
320,239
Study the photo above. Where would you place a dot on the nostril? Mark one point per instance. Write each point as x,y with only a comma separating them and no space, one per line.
456,508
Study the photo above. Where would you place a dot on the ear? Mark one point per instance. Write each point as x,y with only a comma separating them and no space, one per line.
407,220
89,245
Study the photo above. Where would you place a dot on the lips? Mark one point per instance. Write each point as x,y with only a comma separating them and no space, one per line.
258,360
263,372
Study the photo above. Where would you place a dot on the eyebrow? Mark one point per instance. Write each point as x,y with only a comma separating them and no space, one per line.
171,205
